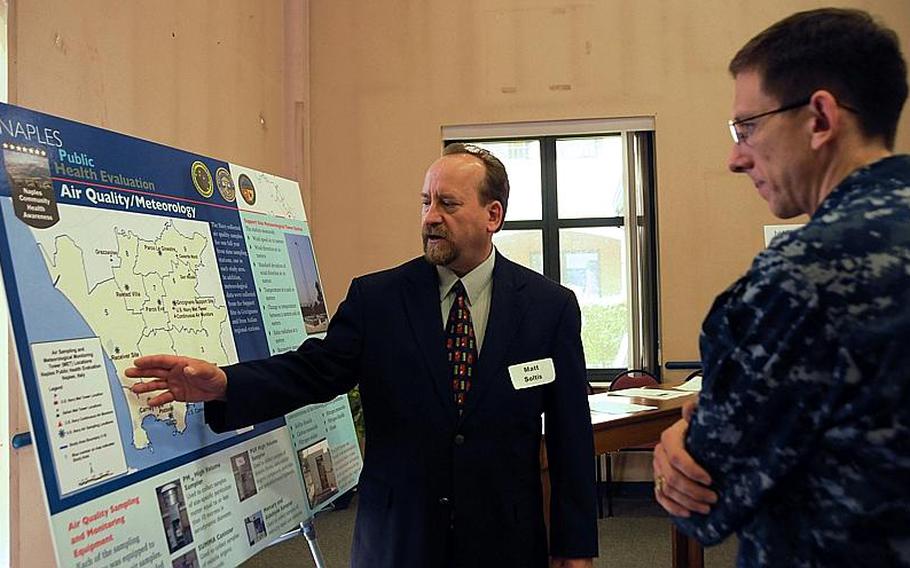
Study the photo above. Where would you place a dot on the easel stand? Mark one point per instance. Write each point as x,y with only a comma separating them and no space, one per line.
307,529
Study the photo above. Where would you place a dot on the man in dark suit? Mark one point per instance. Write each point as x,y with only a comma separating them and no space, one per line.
452,404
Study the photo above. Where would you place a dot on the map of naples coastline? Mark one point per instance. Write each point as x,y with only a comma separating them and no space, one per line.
104,288
144,285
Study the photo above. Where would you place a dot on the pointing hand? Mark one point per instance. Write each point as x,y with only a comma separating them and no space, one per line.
182,379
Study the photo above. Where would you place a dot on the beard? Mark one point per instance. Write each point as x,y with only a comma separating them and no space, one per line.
439,252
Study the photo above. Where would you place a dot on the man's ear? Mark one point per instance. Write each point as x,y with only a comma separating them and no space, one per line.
827,118
495,220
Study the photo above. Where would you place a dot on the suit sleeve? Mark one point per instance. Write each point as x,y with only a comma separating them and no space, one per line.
570,444
317,371
771,380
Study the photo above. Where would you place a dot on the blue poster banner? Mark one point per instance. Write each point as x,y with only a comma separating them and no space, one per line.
115,247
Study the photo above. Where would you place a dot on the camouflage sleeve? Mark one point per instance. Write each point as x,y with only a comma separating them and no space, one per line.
766,390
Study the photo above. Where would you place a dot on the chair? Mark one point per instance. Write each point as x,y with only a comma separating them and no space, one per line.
695,373
633,378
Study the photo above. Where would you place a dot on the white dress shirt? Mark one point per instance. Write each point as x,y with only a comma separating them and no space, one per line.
478,285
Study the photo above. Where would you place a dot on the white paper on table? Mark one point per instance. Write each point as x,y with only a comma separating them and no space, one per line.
601,417
692,385
658,394
603,402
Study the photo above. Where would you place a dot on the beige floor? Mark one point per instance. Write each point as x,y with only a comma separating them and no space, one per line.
638,536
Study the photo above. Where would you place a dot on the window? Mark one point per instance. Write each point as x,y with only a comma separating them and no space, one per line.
581,211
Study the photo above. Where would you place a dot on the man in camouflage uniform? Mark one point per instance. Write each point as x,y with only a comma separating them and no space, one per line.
801,439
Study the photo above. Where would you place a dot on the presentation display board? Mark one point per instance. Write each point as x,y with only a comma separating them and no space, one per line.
114,247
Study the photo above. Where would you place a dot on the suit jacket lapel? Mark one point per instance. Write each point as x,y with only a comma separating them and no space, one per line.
506,313
421,301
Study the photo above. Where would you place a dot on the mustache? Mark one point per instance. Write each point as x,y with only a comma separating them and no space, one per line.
435,233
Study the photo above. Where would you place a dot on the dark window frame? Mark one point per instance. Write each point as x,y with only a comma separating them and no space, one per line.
550,224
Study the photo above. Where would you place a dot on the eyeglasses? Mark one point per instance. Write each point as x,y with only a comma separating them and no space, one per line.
743,128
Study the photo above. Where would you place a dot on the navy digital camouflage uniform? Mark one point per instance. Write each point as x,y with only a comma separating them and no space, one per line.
804,420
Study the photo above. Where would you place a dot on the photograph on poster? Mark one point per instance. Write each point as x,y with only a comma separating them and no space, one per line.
29,174
187,560
318,472
255,527
173,515
309,289
243,476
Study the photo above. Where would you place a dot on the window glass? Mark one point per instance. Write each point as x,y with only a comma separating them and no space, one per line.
569,219
593,265
589,177
522,246
522,161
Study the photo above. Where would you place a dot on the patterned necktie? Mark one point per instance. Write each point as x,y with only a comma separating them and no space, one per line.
461,345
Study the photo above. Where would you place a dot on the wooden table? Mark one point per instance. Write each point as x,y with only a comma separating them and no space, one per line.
637,430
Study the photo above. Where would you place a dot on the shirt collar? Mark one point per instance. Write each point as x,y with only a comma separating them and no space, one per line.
475,281
889,167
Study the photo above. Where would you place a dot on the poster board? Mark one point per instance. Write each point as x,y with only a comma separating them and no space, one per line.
113,247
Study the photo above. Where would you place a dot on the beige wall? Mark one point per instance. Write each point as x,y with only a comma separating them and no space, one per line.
386,75
206,76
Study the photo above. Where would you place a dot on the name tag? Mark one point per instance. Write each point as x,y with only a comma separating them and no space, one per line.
532,373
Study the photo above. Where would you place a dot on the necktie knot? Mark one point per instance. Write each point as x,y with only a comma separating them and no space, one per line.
459,291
